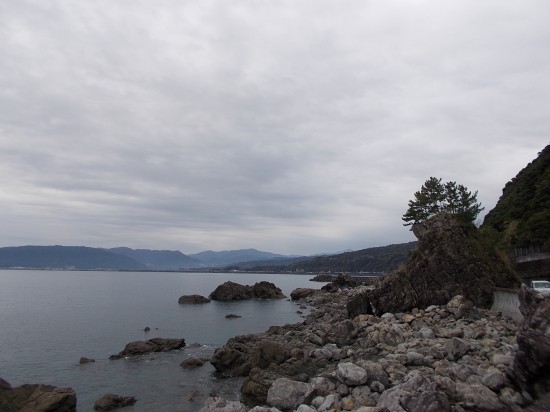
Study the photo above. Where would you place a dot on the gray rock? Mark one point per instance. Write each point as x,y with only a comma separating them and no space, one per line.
287,394
330,402
362,395
457,348
351,374
494,379
477,397
322,386
426,333
216,404
305,408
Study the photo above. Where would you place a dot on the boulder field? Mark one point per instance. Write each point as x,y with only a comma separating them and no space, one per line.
452,357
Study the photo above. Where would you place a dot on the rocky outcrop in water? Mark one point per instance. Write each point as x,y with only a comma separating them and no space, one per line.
152,345
234,291
36,398
449,261
193,299
111,401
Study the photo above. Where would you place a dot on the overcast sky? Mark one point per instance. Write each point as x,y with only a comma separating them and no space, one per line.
295,127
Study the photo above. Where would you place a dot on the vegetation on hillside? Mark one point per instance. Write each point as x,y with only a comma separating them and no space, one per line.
521,217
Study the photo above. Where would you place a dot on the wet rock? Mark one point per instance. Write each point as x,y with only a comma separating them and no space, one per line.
84,361
111,401
152,345
193,299
193,362
232,316
147,329
36,398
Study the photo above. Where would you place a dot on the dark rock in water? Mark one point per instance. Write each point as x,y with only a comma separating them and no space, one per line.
193,299
147,329
449,261
111,401
234,291
232,316
193,362
36,398
302,293
531,365
84,360
152,345
267,290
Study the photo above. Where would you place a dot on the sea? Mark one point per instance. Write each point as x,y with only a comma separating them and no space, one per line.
50,319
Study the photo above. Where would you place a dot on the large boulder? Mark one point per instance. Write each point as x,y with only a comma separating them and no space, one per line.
287,395
235,291
449,261
36,398
152,345
530,369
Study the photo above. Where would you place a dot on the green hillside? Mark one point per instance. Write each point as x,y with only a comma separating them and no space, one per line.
521,217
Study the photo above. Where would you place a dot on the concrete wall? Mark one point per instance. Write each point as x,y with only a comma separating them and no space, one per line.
507,302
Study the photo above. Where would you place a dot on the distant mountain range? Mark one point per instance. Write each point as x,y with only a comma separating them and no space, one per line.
122,258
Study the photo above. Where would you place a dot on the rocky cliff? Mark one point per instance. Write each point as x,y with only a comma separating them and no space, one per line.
449,260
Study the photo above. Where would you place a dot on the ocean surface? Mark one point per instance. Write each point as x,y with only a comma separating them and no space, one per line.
49,319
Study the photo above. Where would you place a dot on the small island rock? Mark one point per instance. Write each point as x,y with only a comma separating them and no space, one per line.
193,299
152,345
111,401
84,360
235,291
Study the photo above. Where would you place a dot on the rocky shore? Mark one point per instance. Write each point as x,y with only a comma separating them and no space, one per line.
451,357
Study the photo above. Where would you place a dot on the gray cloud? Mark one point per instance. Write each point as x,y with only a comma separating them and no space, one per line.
294,127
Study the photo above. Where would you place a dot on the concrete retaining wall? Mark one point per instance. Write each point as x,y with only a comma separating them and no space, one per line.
507,302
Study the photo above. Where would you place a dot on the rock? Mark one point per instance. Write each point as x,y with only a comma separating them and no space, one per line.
322,386
232,316
111,401
494,379
530,368
302,293
36,398
305,408
4,385
267,290
390,334
193,362
457,348
234,291
216,404
264,409
286,394
193,299
147,329
84,361
151,345
477,397
351,374
446,263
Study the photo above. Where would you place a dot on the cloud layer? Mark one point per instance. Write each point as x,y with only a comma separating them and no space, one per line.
291,126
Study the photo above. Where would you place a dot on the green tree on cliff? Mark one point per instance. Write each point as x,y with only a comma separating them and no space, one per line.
434,197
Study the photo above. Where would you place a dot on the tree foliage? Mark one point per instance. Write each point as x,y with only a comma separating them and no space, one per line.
435,196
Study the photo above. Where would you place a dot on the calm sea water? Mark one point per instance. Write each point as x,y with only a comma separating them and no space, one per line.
49,319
